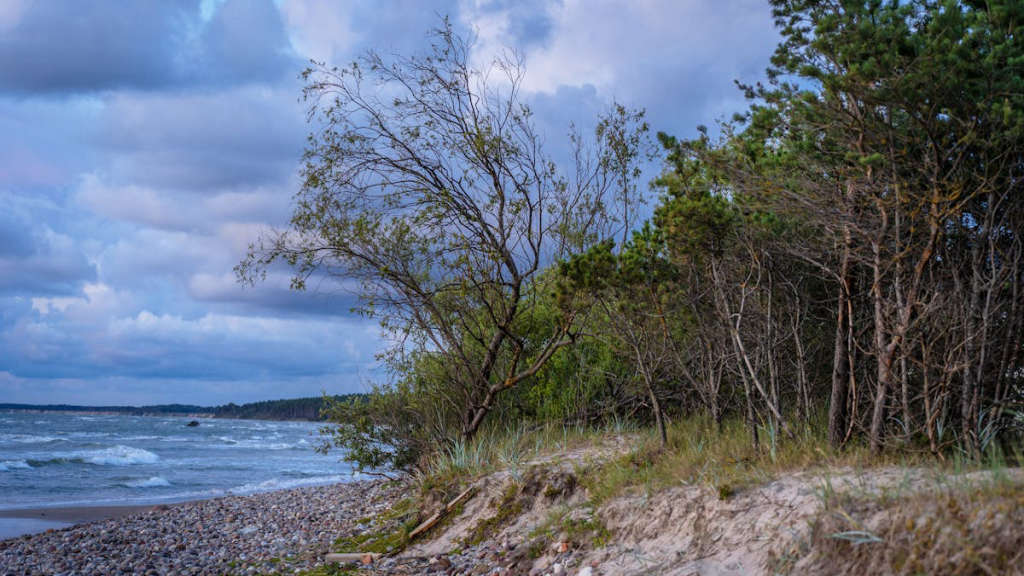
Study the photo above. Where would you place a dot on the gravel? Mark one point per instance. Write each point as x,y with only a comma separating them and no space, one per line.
274,532
280,532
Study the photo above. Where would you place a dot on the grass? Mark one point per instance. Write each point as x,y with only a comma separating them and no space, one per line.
330,570
390,531
723,458
699,453
963,526
586,530
510,448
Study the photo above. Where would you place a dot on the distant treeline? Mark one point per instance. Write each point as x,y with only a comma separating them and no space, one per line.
293,409
290,409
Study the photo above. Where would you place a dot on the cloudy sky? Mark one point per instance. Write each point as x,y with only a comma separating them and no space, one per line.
143,145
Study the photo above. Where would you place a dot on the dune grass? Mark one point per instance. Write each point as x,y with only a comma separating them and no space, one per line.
964,524
510,448
698,452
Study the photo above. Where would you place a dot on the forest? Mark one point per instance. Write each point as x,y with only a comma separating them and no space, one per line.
287,409
843,257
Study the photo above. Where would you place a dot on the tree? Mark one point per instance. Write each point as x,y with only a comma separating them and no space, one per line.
898,138
630,289
426,184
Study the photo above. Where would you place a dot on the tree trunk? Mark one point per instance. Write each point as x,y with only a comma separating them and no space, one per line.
837,417
884,350
968,417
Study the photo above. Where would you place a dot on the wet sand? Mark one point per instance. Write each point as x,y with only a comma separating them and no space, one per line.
74,514
21,521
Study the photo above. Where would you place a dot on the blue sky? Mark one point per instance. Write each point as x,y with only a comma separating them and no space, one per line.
143,145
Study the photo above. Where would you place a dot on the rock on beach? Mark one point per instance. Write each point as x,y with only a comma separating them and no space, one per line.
273,532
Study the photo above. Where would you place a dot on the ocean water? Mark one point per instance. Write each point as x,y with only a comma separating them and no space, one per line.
53,460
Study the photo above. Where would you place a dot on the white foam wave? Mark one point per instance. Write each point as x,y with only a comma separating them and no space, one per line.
28,438
230,443
284,484
115,456
120,456
152,482
274,446
13,465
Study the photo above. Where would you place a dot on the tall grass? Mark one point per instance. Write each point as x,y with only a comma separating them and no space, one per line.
511,447
701,453
698,452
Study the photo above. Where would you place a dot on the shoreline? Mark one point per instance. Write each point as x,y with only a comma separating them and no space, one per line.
256,533
80,514
18,522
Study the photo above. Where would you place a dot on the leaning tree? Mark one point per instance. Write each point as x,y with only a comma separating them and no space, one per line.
427,187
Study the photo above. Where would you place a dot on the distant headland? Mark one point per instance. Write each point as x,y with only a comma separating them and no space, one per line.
286,409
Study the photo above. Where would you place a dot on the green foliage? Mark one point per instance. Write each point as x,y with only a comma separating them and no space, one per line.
388,429
392,535
289,409
850,240
440,205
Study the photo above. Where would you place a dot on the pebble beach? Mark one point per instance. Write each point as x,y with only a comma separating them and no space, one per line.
278,532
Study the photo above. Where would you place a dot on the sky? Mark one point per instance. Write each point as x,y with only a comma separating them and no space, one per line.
144,145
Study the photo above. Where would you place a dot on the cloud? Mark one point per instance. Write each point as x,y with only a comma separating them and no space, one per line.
245,41
54,266
72,341
41,143
55,47
34,258
115,390
144,145
183,210
319,29
338,32
323,297
52,47
229,138
678,59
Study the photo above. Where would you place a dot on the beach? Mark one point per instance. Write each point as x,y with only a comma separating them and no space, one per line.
270,532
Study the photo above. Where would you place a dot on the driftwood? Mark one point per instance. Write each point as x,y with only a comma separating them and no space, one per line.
371,557
364,557
433,520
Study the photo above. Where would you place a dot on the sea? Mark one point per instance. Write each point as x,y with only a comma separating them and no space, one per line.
71,460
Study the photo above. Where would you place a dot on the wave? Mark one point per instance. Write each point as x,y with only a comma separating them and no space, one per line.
284,484
151,482
232,443
119,456
115,456
13,465
29,439
273,446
